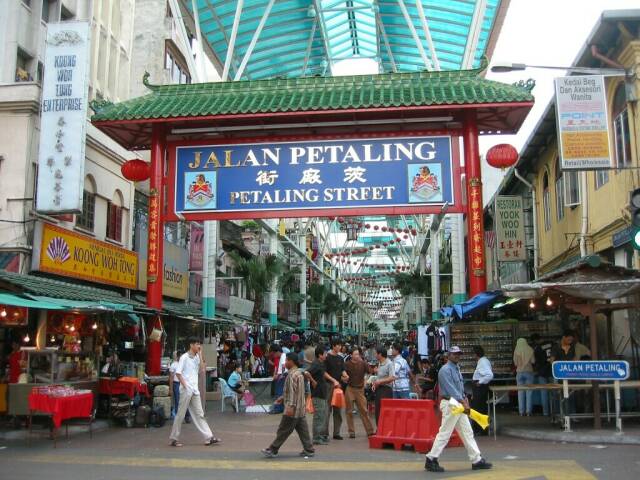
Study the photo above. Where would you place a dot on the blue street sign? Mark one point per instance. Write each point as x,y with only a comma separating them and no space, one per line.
591,370
315,175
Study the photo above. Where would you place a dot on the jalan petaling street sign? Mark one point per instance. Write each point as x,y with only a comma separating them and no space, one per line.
399,175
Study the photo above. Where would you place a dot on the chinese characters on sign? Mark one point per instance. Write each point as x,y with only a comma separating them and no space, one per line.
360,173
583,125
476,235
155,237
510,241
63,118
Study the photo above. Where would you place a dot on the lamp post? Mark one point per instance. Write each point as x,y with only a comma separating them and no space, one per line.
506,67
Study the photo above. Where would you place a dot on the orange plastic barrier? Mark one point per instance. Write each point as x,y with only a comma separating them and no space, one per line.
411,423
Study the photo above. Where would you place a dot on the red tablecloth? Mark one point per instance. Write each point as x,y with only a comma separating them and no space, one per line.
128,386
62,408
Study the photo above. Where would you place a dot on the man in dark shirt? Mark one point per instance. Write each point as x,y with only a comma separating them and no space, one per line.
565,350
356,368
542,368
316,374
334,363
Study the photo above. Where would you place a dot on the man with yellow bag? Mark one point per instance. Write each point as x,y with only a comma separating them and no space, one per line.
451,386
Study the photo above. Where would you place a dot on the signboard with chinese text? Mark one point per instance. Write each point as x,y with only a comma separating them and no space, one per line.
298,178
510,239
476,240
583,123
591,370
63,118
175,277
70,254
196,247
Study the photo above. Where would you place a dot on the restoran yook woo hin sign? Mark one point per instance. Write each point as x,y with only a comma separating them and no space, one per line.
400,175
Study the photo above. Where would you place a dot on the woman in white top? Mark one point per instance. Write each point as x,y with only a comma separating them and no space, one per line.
523,358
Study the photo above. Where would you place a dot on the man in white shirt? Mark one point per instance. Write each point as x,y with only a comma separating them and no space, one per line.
482,377
187,374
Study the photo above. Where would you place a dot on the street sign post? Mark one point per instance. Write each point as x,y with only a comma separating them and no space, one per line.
594,370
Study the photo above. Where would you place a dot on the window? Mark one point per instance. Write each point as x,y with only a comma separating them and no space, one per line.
86,219
23,63
571,188
46,8
176,65
114,217
602,177
546,202
622,138
114,222
559,191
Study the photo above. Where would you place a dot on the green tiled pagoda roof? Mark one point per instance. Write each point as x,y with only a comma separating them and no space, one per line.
313,94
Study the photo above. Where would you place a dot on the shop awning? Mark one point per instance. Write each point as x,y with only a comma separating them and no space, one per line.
65,304
18,301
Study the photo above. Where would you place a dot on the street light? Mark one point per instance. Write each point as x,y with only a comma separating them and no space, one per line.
505,67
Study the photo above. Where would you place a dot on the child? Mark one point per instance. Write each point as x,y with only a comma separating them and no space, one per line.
235,379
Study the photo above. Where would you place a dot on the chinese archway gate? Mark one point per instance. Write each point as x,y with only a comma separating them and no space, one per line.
317,146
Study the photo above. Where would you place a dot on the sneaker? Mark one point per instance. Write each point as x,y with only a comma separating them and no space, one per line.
268,453
352,435
187,419
307,453
481,464
320,442
432,465
338,437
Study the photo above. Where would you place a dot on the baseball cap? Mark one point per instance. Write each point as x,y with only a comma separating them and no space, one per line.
455,349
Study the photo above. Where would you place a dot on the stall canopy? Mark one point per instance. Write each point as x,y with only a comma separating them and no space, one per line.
20,301
481,301
589,278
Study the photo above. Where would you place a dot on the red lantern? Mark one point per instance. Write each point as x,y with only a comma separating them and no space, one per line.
135,170
384,229
367,226
376,227
502,156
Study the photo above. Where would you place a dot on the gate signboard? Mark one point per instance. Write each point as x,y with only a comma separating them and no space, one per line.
304,178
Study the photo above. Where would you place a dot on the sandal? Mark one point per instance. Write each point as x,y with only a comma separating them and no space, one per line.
175,443
212,441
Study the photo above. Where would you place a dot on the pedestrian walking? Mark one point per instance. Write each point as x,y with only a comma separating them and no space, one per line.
523,358
482,377
401,372
451,385
356,369
316,374
334,363
382,385
294,417
542,368
187,372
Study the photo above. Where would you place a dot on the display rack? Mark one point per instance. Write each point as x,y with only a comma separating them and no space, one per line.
496,339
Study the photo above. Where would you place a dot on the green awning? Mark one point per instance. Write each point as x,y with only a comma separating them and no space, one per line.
18,301
64,304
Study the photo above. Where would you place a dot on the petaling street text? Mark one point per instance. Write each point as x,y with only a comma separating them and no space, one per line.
311,195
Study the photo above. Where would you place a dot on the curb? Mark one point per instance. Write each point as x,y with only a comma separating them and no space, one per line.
572,437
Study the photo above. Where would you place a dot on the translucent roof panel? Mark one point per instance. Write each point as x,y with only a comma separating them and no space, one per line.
307,37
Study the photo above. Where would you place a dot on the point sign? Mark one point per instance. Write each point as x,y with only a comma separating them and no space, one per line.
604,370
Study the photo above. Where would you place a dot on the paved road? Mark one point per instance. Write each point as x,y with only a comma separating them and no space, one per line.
132,454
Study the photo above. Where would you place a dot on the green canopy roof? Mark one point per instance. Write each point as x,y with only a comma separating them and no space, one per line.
128,122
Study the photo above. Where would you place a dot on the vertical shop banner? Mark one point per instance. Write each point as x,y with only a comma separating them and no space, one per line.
196,247
155,237
63,118
583,123
510,239
475,235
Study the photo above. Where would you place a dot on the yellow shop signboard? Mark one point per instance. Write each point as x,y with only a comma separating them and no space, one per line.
70,254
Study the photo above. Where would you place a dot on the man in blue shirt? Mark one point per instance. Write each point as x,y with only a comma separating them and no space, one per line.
401,371
451,386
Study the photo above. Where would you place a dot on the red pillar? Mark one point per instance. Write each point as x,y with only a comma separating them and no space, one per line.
475,225
155,263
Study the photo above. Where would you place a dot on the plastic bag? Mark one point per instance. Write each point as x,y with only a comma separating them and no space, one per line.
337,399
310,408
249,399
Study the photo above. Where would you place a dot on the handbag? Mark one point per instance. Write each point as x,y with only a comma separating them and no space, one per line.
309,405
337,399
156,333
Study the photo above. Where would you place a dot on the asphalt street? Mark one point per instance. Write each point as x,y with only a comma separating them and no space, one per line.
123,454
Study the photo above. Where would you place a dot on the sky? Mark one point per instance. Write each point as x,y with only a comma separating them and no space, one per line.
540,32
